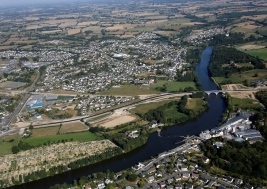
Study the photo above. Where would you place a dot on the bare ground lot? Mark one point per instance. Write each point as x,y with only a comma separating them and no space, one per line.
243,95
119,117
251,46
118,121
72,127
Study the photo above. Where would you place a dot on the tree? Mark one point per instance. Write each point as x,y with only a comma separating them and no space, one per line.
131,177
15,149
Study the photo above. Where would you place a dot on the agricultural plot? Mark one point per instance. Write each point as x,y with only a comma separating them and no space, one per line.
44,158
173,86
52,135
72,127
261,53
240,78
129,90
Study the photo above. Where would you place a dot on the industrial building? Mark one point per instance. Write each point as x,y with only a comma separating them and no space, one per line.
35,102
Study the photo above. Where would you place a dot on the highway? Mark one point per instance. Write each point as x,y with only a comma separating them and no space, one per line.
149,99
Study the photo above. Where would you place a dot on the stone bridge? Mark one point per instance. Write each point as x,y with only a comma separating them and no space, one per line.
216,92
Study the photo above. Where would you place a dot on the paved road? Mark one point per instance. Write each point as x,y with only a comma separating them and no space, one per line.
22,102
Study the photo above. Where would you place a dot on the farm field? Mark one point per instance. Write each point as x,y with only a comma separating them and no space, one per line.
173,86
144,108
72,127
40,140
261,53
7,142
240,78
244,104
194,103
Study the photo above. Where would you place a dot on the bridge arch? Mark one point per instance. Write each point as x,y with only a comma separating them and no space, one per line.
216,92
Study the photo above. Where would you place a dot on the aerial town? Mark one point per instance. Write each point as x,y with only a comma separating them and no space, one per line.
133,94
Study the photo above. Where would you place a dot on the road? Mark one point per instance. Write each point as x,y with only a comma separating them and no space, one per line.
149,99
22,103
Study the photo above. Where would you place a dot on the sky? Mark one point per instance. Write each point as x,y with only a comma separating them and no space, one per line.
28,2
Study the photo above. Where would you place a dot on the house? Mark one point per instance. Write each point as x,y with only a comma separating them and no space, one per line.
204,181
193,166
238,181
211,183
195,176
108,181
229,179
181,159
177,178
162,184
155,186
153,124
151,170
183,168
150,179
158,174
169,187
129,187
101,185
205,159
188,186
186,176
87,186
179,164
248,186
179,187
170,180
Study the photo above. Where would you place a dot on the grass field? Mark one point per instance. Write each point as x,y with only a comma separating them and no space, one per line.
240,78
194,103
6,143
261,53
173,86
244,104
129,90
82,137
48,131
172,113
144,108
72,127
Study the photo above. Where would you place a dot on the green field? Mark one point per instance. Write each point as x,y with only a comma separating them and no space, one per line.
130,90
240,78
172,113
144,108
194,103
261,53
81,137
173,86
245,104
6,143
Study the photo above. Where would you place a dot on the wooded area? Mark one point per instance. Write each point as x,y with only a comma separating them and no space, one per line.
223,61
241,160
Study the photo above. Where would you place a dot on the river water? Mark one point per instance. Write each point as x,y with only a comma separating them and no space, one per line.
156,144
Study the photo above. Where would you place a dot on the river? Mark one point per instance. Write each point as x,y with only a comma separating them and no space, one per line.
156,144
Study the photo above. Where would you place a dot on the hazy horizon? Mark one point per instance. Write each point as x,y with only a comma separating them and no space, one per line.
31,2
